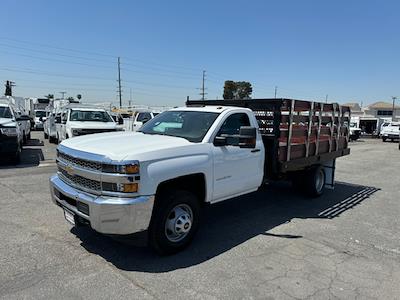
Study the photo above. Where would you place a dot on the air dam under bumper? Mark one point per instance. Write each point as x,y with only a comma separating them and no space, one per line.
109,215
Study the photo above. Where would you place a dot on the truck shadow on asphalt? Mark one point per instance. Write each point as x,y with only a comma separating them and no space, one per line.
31,156
228,224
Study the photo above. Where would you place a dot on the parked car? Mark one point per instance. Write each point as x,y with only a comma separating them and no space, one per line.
391,131
158,179
11,132
76,121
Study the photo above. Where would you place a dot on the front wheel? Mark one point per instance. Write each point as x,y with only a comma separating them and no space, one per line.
383,139
174,222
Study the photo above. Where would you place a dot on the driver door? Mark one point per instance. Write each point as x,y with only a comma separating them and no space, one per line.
236,170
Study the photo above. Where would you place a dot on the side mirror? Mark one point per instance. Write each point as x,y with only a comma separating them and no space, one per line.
220,141
58,119
247,137
145,120
41,119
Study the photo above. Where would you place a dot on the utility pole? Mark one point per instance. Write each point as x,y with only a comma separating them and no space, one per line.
203,89
326,98
119,82
130,97
276,91
9,85
62,95
393,110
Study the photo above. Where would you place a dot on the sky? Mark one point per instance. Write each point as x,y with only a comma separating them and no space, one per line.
347,51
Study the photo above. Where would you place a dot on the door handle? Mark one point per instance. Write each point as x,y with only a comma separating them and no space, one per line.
255,150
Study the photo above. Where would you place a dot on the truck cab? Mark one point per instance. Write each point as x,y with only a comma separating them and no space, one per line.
141,118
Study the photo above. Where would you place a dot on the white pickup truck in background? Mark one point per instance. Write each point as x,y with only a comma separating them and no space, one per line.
75,121
391,131
159,178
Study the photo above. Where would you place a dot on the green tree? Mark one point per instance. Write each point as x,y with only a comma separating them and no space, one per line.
50,96
229,89
79,96
70,99
243,90
237,90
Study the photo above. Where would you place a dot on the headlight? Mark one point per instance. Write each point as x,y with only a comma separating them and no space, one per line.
75,132
122,169
120,187
10,131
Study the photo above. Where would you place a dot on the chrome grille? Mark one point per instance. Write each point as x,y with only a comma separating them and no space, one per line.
82,163
80,181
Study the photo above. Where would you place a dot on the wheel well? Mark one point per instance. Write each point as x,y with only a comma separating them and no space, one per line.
194,183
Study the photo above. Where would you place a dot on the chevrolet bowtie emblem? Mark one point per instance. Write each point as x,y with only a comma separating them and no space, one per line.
69,170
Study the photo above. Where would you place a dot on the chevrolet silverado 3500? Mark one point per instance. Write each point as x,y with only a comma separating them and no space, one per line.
157,179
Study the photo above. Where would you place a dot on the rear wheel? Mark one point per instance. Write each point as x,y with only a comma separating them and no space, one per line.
314,181
46,136
384,139
175,220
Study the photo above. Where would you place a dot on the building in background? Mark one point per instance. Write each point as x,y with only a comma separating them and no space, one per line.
371,117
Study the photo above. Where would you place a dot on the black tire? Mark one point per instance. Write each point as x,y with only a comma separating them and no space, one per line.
314,181
29,135
161,239
383,139
45,135
24,138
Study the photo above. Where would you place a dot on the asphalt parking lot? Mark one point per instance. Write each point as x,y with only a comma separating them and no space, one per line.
272,244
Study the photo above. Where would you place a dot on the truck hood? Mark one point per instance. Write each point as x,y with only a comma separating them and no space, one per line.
117,146
91,125
5,122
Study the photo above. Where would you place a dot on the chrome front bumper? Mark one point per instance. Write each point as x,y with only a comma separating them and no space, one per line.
109,215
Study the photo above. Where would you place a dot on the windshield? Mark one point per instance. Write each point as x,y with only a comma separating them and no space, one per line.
190,125
5,112
87,115
40,113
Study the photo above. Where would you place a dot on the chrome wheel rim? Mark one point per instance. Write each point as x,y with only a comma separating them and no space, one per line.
178,223
320,180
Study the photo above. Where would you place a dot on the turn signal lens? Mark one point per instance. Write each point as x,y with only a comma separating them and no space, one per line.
132,169
129,187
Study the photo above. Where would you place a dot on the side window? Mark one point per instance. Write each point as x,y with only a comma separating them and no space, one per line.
143,116
233,123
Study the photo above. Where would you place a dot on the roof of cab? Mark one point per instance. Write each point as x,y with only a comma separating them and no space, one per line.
207,108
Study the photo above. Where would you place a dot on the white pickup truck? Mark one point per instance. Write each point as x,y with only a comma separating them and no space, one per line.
79,120
158,179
